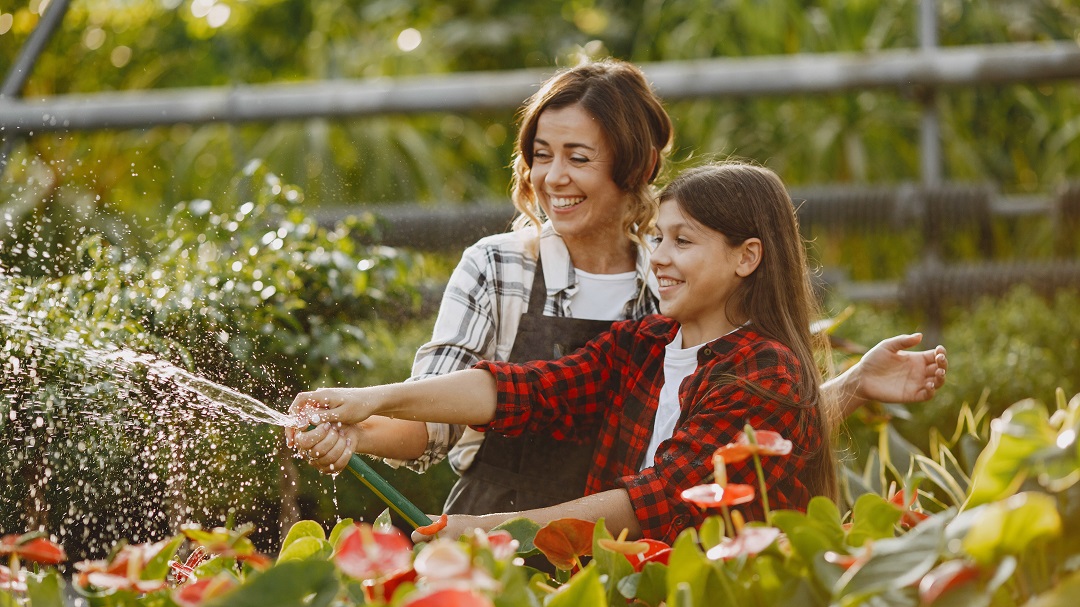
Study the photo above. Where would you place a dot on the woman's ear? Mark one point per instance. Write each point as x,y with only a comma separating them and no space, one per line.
749,257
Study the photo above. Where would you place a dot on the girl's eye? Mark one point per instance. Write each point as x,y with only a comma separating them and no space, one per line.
681,242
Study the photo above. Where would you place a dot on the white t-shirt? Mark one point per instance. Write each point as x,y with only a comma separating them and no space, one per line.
679,363
602,296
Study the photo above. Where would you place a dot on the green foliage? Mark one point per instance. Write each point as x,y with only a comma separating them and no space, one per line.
251,293
1022,137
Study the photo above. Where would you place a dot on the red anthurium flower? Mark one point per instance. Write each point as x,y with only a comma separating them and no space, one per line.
12,582
387,585
228,543
750,541
768,443
450,597
185,572
564,540
945,577
503,545
907,501
369,554
192,595
640,551
713,495
33,547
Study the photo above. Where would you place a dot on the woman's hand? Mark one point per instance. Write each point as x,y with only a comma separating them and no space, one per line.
328,446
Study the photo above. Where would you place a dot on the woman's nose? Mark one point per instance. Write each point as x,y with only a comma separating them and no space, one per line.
557,174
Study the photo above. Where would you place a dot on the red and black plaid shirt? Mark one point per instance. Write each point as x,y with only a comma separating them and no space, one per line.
611,388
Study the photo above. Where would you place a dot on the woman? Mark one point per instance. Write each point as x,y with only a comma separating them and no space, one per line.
732,347
591,143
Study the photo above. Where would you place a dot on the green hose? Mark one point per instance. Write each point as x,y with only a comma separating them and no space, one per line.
386,492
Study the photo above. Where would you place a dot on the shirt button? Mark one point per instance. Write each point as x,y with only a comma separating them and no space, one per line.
707,352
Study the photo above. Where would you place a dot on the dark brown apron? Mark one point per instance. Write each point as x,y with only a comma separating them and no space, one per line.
531,470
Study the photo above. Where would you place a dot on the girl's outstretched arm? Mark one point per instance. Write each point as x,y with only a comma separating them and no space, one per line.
890,373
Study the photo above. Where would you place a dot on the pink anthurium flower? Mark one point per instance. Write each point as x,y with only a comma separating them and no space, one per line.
34,547
749,541
450,597
366,553
14,582
502,543
768,443
122,570
713,495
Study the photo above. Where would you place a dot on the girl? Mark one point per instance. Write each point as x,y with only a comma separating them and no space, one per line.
732,347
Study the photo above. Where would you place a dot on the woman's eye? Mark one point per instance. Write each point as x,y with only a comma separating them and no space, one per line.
655,239
578,159
541,155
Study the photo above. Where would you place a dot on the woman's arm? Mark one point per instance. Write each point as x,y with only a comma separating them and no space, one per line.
613,506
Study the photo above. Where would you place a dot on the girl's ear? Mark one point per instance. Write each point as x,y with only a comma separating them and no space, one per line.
749,257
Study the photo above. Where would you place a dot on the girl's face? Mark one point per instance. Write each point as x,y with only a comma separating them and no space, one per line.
571,175
697,271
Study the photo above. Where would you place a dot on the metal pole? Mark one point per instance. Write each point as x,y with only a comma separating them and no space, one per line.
930,132
24,64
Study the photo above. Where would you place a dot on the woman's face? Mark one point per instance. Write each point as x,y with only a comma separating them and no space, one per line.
571,175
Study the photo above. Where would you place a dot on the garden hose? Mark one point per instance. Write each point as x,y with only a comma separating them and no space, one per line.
386,492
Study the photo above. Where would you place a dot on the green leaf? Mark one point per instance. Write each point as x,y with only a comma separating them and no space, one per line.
1020,432
524,531
45,590
383,522
303,529
158,567
285,585
306,548
582,589
895,563
711,532
612,565
1011,526
873,518
689,565
335,534
652,584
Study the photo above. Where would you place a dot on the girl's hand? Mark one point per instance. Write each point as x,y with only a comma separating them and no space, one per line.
345,405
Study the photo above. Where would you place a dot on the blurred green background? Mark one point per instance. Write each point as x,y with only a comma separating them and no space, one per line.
132,238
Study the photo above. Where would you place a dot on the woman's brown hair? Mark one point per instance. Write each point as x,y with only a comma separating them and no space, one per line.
631,117
740,201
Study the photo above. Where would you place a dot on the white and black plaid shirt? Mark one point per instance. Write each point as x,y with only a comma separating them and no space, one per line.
479,316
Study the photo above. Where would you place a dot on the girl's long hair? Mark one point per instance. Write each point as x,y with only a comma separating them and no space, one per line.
634,124
742,200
